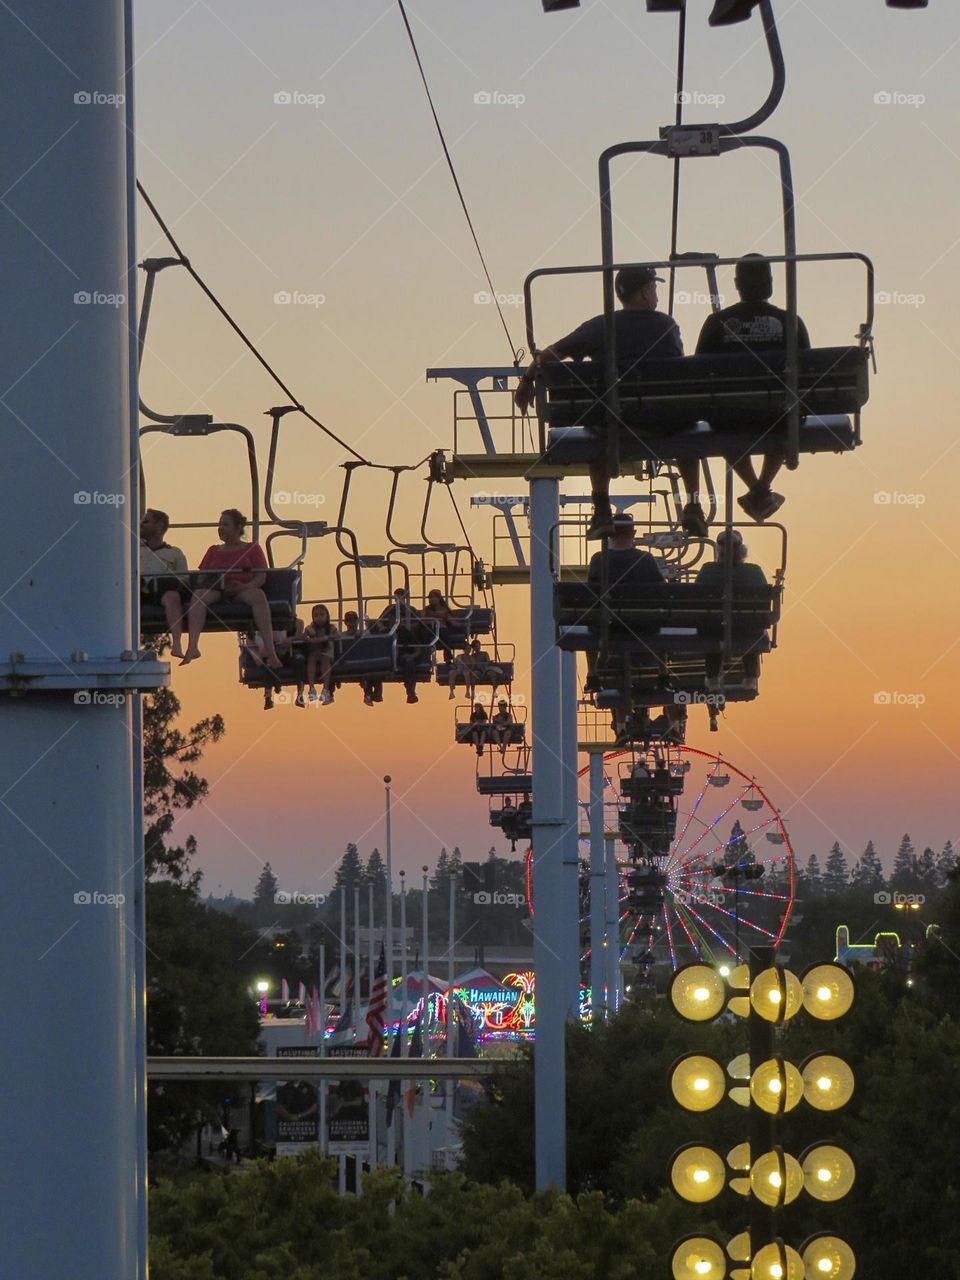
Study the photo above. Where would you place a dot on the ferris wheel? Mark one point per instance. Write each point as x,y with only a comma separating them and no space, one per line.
722,881
722,878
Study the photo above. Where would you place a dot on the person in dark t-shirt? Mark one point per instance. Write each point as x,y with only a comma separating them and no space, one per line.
752,324
642,332
628,565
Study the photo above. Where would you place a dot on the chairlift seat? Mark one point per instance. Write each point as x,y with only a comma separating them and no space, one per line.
381,656
514,738
476,620
282,589
505,784
707,398
634,786
493,674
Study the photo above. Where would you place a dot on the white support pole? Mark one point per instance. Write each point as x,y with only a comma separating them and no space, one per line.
404,995
372,955
323,1046
612,896
388,920
570,884
70,819
451,1044
549,941
598,921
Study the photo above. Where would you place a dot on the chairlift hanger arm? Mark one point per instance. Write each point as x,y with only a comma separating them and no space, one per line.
201,425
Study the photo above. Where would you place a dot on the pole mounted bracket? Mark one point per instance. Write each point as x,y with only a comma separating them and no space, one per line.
89,680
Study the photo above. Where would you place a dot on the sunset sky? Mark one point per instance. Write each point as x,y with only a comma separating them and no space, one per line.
347,198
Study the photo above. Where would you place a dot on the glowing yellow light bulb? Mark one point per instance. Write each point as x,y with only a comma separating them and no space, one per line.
824,1265
701,994
776,1270
774,996
823,993
823,1175
775,1086
700,1084
703,1175
824,1083
703,1267
775,1180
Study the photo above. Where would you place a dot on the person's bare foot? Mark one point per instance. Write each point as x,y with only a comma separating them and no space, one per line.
192,652
176,651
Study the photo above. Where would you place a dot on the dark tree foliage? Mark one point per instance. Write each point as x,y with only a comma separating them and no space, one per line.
197,1001
170,785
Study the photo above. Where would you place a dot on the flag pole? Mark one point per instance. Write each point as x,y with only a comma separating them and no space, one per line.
404,1047
357,953
343,950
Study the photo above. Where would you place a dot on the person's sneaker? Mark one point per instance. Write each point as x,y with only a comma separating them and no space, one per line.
268,703
601,525
312,695
693,521
480,751
412,697
378,697
367,700
452,694
299,700
326,698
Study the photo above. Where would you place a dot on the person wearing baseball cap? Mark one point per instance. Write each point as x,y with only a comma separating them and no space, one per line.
752,324
642,333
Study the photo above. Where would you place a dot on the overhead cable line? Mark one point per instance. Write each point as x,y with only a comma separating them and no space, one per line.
185,261
516,352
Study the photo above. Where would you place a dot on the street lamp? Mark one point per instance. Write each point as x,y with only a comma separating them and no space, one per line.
262,988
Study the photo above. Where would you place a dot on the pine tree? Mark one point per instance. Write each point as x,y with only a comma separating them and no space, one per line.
441,871
738,852
264,894
455,865
946,863
836,876
904,877
927,874
375,872
812,882
868,872
350,871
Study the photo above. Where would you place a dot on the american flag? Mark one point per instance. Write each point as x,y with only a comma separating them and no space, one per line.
378,1007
